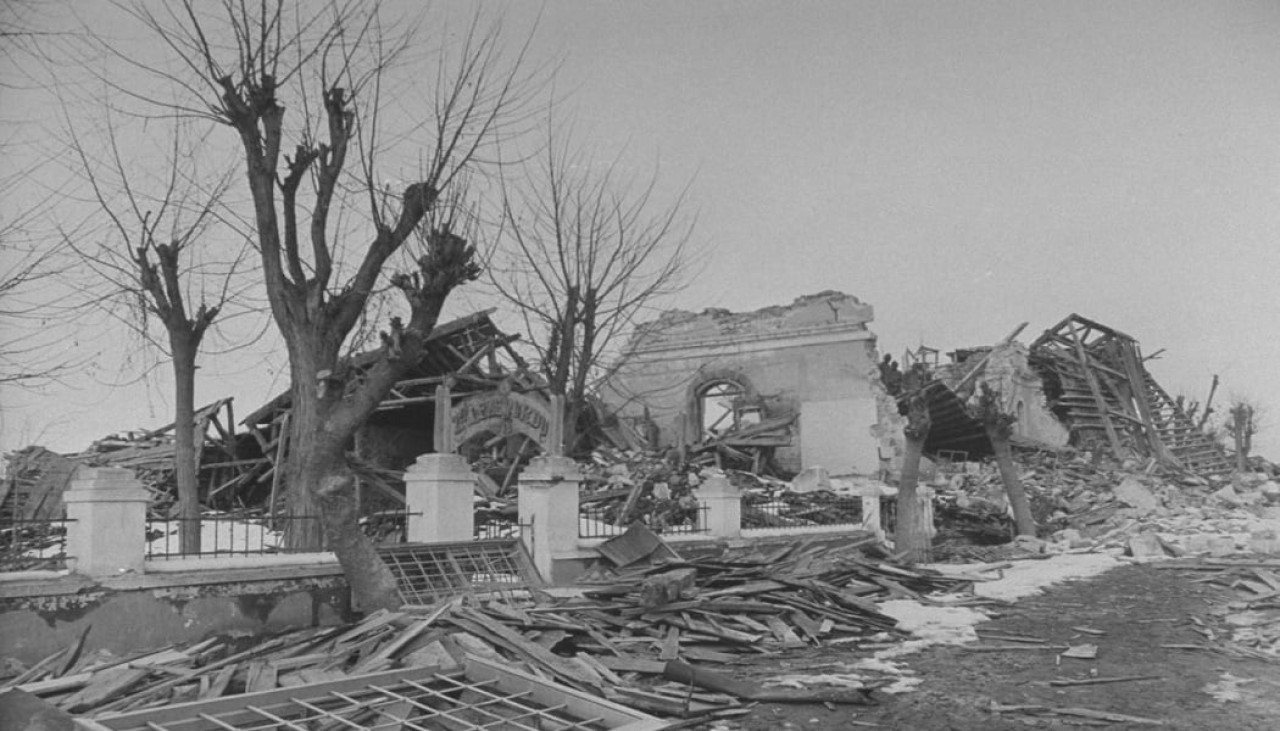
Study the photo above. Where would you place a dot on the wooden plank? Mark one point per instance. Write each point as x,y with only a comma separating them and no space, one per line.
405,637
230,660
670,645
807,624
632,664
262,676
38,670
513,641
784,633
56,685
106,686
219,684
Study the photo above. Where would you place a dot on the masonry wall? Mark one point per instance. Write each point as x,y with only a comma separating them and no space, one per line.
134,613
814,359
1008,371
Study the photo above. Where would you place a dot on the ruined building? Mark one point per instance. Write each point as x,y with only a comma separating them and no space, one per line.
1080,383
799,380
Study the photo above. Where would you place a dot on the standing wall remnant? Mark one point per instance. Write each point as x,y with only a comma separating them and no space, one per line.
813,360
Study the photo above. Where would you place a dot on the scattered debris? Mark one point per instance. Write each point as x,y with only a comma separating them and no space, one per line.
1077,713
633,626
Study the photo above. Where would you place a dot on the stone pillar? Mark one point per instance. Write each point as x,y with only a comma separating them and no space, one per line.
724,506
548,508
439,492
107,522
869,496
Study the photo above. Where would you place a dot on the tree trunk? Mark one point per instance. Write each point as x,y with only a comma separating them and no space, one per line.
1242,434
321,486
912,536
372,584
999,436
308,460
999,428
185,445
576,395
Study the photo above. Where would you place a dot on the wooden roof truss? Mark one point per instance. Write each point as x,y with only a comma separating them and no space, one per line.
1107,393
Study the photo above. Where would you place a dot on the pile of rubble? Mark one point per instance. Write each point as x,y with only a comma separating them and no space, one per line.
621,487
630,637
1081,504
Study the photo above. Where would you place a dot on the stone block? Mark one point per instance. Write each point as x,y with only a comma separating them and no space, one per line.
1135,494
1145,546
1264,541
1228,496
1221,546
812,479
1030,544
1198,543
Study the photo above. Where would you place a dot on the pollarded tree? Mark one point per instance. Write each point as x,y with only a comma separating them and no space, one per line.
582,250
913,533
303,88
998,423
1242,424
168,258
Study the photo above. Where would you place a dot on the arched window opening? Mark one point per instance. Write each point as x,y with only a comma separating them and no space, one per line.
722,408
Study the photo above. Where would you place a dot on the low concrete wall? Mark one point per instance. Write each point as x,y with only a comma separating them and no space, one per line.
40,615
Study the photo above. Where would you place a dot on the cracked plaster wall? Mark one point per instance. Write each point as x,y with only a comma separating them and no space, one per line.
37,621
814,358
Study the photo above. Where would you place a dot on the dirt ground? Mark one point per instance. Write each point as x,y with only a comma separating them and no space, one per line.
1130,612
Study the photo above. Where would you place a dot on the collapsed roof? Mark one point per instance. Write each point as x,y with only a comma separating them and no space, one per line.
1096,380
1093,378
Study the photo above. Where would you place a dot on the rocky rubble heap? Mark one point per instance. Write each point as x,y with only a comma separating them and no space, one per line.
1081,504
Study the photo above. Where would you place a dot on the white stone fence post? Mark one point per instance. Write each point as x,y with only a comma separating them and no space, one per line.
723,502
106,522
548,510
439,490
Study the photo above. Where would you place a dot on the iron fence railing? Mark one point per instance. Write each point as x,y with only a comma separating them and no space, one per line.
255,534
487,528
792,510
602,521
28,544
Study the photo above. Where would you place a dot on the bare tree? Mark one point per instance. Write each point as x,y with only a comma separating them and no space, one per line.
912,535
998,424
1242,425
28,359
31,357
160,264
303,92
584,248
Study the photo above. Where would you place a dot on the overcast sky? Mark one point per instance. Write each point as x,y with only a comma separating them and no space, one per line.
962,167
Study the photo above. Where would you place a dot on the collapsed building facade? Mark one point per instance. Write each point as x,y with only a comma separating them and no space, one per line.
798,385
797,382
1080,384
803,385
246,467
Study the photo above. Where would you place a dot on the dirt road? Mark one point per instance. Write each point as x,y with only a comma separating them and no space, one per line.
1133,614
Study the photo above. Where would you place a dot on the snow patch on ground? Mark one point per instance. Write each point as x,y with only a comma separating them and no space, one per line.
931,624
934,624
1227,690
1026,578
